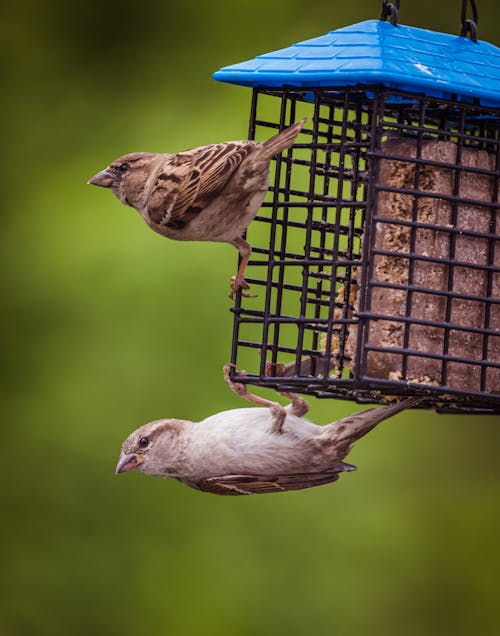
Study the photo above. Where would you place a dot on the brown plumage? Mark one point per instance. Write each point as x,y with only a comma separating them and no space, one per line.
210,193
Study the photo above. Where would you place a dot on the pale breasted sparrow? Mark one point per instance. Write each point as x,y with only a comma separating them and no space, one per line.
246,451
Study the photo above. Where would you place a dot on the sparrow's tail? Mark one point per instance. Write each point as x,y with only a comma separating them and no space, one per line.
282,140
351,428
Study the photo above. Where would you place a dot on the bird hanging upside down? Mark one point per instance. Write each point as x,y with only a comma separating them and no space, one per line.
252,450
210,193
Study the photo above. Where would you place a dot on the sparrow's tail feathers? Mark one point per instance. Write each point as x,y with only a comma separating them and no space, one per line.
282,140
353,427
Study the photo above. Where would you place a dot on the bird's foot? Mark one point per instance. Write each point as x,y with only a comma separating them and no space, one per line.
273,369
238,282
237,387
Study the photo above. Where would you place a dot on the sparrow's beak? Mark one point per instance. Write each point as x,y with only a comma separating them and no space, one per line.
128,462
103,179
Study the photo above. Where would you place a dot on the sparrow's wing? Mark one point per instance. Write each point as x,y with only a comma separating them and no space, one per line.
255,484
190,180
216,164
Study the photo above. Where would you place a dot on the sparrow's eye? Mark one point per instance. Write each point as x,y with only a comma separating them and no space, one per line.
144,442
124,167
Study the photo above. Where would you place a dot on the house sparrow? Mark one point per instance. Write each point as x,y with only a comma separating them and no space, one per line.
210,193
243,451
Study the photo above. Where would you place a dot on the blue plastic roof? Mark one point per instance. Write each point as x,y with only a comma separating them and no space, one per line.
376,52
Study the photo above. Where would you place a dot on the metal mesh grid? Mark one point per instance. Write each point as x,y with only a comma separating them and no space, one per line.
375,256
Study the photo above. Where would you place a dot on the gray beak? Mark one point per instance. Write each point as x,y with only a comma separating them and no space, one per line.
127,462
103,179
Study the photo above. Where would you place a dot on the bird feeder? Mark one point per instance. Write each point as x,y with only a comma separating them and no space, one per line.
375,256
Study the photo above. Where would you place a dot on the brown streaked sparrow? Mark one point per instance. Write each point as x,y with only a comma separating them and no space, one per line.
250,450
210,193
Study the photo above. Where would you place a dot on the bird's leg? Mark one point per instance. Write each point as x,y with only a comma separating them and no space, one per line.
277,411
238,281
299,406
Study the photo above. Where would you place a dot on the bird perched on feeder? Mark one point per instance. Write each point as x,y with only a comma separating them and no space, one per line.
250,450
210,193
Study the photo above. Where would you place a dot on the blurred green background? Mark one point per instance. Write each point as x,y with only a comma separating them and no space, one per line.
107,325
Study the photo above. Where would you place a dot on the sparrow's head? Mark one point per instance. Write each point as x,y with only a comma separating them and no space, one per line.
148,448
127,176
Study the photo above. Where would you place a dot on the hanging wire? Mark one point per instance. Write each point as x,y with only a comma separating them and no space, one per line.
390,10
469,25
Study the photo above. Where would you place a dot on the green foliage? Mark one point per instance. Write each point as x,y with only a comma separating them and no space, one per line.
107,325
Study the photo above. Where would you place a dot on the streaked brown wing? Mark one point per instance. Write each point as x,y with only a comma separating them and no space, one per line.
191,179
216,164
256,484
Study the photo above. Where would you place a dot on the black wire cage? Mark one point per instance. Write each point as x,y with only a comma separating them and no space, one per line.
375,257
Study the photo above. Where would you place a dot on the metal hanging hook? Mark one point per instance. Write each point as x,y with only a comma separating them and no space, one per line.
390,10
469,25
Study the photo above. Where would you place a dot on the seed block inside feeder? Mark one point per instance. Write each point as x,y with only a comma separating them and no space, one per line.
412,276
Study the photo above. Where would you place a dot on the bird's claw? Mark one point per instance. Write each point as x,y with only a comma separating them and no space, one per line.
239,388
274,369
238,282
